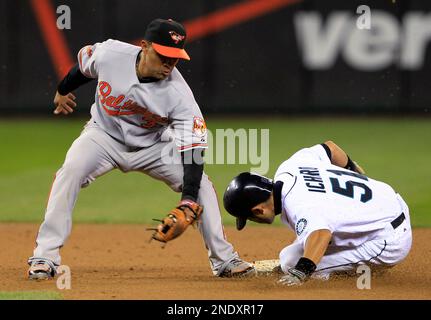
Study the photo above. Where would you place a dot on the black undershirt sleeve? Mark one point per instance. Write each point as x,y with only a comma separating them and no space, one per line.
193,165
72,81
328,151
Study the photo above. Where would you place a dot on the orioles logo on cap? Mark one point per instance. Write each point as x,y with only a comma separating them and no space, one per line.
176,37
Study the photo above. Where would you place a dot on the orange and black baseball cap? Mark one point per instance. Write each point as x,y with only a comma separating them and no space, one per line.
168,38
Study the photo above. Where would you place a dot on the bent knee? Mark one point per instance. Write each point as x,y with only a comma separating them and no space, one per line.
74,168
176,184
206,182
176,187
75,172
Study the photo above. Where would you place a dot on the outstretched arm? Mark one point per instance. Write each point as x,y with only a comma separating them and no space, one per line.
193,165
188,210
340,158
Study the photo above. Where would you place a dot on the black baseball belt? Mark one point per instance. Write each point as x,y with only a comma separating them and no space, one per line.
396,223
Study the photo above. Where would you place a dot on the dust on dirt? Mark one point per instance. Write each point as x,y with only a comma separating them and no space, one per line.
118,262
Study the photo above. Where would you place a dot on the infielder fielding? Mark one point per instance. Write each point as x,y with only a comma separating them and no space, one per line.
139,95
341,217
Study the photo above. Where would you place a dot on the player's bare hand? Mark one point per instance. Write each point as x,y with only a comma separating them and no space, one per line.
64,104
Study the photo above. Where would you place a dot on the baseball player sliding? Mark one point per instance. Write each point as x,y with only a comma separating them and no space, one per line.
139,95
341,217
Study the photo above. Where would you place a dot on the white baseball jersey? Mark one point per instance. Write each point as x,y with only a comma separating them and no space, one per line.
318,195
136,114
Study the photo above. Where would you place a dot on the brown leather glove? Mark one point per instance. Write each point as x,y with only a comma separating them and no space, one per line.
177,221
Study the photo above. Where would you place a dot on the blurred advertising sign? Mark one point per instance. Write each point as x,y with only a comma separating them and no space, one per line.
388,42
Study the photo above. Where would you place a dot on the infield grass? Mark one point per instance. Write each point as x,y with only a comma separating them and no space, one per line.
30,295
396,151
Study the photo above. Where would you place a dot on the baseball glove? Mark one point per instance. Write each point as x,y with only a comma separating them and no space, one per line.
177,221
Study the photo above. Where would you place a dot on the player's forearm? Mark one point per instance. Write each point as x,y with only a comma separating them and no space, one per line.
337,155
340,158
316,245
193,169
73,80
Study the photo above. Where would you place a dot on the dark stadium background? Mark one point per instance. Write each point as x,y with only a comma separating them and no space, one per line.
247,56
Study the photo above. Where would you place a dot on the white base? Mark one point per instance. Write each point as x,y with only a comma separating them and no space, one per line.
265,266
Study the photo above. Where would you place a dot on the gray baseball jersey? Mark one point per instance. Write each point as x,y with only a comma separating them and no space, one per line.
135,113
125,132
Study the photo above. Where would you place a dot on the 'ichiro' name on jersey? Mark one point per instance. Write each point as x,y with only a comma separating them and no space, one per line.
312,179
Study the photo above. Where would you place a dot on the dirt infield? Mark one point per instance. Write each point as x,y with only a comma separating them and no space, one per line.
117,262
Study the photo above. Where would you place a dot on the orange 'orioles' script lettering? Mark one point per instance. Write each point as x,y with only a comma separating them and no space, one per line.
113,107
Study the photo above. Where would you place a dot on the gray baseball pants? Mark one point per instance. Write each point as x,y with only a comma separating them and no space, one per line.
95,153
